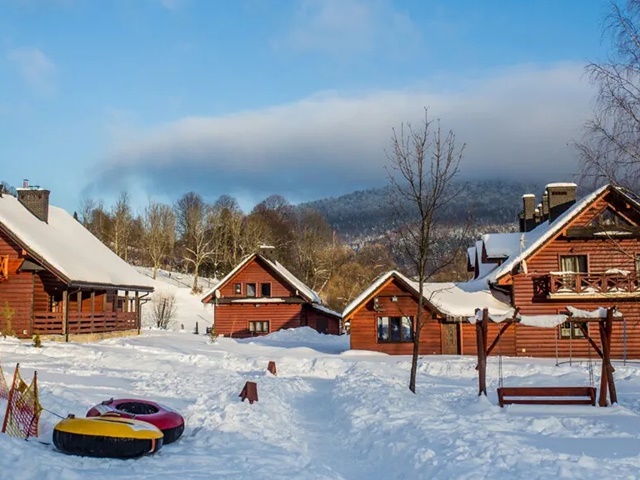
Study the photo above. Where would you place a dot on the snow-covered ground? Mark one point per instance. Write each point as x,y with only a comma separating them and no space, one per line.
330,413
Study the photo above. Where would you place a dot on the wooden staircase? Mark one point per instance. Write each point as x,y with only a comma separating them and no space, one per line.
4,267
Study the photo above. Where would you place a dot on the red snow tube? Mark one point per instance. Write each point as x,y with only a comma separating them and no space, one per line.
166,419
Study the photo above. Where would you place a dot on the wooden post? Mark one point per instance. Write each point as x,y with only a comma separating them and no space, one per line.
249,392
65,315
138,315
93,309
613,396
602,399
481,340
271,368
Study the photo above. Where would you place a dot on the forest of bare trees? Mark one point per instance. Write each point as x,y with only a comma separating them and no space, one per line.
209,239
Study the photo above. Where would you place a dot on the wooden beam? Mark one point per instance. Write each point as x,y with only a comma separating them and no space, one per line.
613,395
585,332
481,339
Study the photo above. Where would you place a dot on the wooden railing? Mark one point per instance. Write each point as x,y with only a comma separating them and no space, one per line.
4,267
47,323
593,283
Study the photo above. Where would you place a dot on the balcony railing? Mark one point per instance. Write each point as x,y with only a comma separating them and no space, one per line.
611,284
52,323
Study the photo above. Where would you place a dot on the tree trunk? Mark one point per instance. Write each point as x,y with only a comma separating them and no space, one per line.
196,268
155,271
416,340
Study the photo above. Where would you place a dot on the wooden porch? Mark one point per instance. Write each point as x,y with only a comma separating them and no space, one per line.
89,312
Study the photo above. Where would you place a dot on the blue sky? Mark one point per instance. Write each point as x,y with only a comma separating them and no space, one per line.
298,97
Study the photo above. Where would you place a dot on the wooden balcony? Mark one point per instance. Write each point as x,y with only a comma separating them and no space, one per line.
52,323
4,267
581,285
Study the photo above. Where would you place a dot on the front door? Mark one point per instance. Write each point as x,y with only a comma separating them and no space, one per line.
322,325
450,344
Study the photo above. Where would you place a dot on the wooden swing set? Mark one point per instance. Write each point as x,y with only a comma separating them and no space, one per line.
556,395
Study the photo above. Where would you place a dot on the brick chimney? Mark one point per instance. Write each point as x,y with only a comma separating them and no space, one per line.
527,216
560,197
35,199
267,251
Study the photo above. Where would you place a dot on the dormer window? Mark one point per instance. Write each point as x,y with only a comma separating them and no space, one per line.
250,289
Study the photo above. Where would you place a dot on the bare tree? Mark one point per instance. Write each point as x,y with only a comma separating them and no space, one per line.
610,149
195,227
159,233
422,166
122,221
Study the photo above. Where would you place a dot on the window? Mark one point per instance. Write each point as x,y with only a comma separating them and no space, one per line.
237,288
571,330
572,265
609,218
265,289
259,326
395,329
251,289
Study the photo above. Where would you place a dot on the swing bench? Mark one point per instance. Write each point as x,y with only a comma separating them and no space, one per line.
547,396
556,395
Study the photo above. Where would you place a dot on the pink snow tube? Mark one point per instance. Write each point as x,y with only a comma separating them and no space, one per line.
166,419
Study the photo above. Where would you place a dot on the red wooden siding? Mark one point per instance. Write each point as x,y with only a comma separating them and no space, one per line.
530,292
364,323
15,291
232,319
256,272
315,319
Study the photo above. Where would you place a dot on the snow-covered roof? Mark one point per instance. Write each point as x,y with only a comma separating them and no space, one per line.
471,255
328,311
277,267
501,245
68,248
561,185
455,300
538,236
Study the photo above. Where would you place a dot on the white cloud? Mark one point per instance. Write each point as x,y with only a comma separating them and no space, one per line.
35,67
344,27
517,123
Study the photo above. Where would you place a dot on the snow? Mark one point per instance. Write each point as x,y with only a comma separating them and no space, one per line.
600,312
562,185
68,247
501,245
328,311
328,414
471,255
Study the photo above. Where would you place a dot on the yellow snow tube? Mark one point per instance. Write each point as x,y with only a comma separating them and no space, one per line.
112,437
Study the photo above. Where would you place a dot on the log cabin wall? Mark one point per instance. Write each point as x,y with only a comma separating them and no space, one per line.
255,272
233,319
16,290
320,321
531,291
364,323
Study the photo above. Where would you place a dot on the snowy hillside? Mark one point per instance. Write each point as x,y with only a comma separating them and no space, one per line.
189,309
329,414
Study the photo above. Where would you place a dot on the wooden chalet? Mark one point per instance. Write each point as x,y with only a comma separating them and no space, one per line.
568,257
260,296
56,279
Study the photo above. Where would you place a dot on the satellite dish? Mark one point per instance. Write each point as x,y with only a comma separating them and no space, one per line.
217,293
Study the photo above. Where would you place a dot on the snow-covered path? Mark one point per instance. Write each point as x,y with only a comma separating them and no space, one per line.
329,414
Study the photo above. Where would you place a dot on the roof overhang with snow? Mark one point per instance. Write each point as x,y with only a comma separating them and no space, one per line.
67,249
456,301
